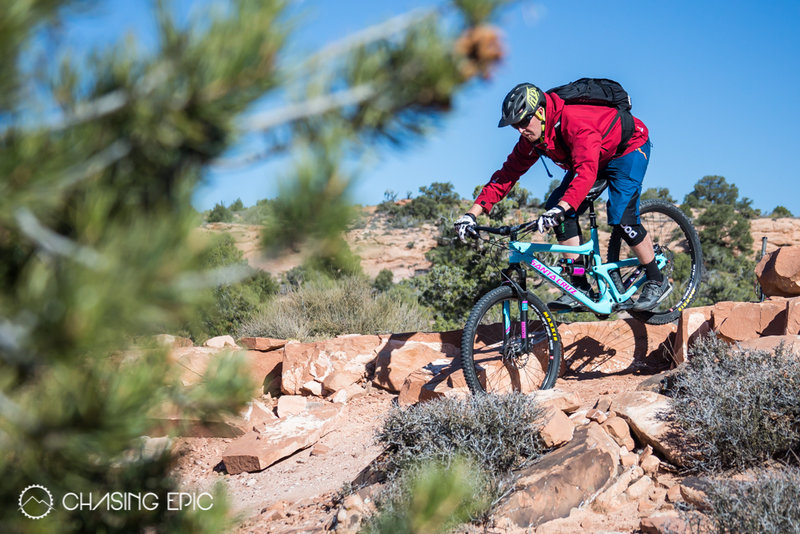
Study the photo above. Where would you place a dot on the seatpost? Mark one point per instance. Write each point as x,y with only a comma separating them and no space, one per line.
592,216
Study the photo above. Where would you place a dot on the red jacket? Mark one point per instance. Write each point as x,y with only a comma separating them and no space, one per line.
582,127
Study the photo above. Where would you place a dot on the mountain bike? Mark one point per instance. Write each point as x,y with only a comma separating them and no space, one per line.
511,340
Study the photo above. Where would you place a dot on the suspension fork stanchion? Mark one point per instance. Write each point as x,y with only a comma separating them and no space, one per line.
522,292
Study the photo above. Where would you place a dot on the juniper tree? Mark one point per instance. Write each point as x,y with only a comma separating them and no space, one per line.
723,221
95,218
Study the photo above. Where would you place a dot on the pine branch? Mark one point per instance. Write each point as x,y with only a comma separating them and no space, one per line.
56,244
366,36
97,163
313,106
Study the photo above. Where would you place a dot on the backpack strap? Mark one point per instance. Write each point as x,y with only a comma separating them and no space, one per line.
627,125
627,130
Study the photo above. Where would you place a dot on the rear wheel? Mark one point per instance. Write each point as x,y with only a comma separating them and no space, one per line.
674,236
492,353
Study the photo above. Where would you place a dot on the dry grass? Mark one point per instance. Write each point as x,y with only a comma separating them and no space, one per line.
322,309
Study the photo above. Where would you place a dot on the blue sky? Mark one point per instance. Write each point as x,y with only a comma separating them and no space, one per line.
715,82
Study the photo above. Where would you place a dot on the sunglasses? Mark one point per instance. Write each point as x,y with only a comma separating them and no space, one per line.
523,123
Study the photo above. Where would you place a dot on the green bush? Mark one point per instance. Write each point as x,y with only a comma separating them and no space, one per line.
258,214
780,212
517,198
220,214
231,305
769,503
322,308
437,201
237,205
383,281
738,409
430,497
461,273
658,193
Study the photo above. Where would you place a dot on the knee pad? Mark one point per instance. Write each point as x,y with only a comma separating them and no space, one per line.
569,228
632,234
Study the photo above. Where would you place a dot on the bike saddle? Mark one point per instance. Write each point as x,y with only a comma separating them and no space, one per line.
597,189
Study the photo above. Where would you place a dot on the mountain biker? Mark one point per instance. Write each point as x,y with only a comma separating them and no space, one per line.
585,140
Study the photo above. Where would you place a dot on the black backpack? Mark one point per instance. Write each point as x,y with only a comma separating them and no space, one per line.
600,92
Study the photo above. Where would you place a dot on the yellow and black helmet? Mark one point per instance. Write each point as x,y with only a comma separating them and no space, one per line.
520,103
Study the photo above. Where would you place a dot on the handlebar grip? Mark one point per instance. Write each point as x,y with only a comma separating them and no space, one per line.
501,230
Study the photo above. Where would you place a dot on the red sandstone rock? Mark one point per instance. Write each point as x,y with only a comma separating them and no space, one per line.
265,368
566,401
412,387
393,366
612,498
334,364
262,343
173,341
778,272
792,317
694,323
640,488
650,464
563,479
448,343
675,523
258,450
291,405
557,428
738,321
618,429
221,342
769,343
648,415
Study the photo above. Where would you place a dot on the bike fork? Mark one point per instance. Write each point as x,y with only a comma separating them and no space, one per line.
522,293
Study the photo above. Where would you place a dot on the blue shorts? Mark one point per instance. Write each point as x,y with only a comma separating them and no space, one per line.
625,176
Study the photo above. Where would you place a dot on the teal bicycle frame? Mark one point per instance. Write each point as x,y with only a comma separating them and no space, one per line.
610,298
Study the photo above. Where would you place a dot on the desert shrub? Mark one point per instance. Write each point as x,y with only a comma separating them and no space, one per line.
658,193
490,435
383,281
498,432
738,409
460,275
260,213
322,308
231,305
517,198
219,213
767,504
436,201
430,497
780,211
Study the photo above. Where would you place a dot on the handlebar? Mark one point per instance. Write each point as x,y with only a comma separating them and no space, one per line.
506,230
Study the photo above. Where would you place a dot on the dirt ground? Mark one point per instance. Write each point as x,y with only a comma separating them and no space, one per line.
296,494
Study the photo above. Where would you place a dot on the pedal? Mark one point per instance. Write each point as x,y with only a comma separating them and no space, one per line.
624,306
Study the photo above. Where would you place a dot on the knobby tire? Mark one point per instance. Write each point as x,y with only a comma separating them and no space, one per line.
492,366
673,232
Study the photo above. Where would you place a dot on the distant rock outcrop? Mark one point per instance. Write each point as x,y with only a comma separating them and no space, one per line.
778,272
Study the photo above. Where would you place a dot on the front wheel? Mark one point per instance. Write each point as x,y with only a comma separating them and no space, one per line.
674,236
493,355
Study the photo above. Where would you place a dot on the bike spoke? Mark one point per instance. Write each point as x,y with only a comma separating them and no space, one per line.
499,360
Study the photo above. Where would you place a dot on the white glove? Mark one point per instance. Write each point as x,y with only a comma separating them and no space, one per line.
465,226
551,218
